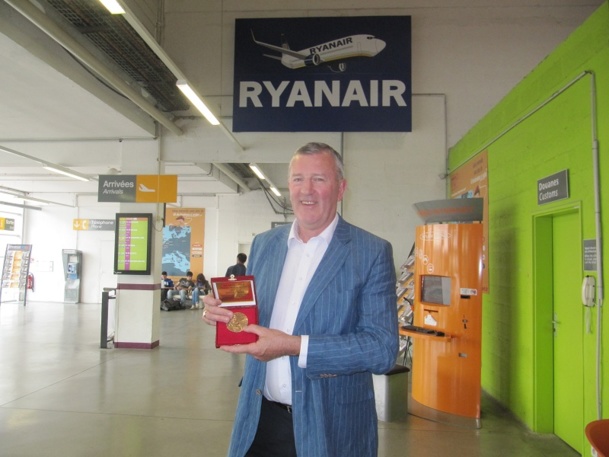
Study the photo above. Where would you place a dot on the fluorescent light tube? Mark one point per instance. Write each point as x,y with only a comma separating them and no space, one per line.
34,200
68,173
11,193
21,196
257,170
113,6
21,205
196,100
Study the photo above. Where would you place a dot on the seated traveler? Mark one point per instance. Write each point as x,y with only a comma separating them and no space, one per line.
201,289
166,285
183,287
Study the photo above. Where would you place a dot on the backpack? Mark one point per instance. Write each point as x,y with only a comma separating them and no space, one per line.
171,305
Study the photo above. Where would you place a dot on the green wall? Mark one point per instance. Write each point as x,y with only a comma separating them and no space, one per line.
544,125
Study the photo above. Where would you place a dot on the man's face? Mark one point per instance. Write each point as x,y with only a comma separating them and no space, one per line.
315,191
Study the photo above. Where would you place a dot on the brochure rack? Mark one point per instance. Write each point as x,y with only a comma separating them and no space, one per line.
15,273
405,297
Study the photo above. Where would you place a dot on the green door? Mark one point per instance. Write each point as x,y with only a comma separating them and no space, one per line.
568,330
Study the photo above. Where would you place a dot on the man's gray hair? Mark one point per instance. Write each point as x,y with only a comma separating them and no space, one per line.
318,148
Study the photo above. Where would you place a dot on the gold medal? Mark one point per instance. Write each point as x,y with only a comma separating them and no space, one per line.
237,323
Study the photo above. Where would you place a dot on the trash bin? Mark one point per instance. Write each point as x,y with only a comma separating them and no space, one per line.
391,393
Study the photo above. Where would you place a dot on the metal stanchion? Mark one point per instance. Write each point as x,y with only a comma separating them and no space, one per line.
103,340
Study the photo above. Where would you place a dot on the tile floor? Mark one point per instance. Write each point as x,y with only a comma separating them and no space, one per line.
62,395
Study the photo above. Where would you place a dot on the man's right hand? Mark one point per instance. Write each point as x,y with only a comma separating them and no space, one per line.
213,312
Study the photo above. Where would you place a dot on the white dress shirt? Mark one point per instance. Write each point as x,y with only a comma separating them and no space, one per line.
300,264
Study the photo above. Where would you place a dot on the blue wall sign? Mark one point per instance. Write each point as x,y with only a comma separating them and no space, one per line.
325,74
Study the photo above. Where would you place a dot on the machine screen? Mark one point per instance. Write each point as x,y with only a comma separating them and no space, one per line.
436,290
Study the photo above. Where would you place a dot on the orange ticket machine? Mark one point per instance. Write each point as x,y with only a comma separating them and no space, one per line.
447,325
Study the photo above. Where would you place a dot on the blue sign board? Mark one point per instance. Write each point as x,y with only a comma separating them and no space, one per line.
324,74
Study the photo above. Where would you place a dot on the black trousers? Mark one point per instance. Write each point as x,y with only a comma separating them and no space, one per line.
275,433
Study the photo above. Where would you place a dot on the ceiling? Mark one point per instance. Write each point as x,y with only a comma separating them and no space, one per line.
47,84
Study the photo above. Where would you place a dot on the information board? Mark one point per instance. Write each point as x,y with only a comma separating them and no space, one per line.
132,244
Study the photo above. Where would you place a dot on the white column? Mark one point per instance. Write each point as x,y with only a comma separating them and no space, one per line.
138,297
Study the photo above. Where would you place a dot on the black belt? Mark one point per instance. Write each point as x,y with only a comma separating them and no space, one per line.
283,406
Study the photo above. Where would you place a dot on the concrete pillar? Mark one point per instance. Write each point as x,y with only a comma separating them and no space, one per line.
138,297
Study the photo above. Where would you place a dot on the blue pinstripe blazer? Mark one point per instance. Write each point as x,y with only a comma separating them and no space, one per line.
349,313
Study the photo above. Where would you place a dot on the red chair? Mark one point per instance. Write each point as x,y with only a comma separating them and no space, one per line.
597,433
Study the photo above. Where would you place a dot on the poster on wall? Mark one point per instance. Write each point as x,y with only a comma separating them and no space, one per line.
468,181
183,236
323,74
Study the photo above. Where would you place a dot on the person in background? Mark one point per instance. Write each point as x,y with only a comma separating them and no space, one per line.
202,288
166,285
183,287
327,321
239,268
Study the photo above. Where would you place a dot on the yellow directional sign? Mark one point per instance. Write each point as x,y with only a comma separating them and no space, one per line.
156,188
80,224
93,224
7,224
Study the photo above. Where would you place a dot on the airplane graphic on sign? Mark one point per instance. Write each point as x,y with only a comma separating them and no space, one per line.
334,52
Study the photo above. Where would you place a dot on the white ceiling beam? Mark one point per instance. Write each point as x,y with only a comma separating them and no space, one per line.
229,173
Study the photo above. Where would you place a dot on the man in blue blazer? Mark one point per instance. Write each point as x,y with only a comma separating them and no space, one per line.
327,321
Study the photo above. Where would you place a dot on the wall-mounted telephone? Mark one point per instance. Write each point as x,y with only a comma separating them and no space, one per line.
588,285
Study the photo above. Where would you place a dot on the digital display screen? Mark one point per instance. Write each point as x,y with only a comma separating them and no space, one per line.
436,290
132,244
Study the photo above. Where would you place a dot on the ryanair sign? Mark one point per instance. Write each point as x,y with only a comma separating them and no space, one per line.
341,74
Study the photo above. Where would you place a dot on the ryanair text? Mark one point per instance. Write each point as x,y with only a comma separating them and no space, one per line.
288,94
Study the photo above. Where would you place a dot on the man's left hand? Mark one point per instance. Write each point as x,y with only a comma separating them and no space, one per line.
271,344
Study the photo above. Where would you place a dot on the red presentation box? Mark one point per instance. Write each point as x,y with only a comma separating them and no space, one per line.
238,293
